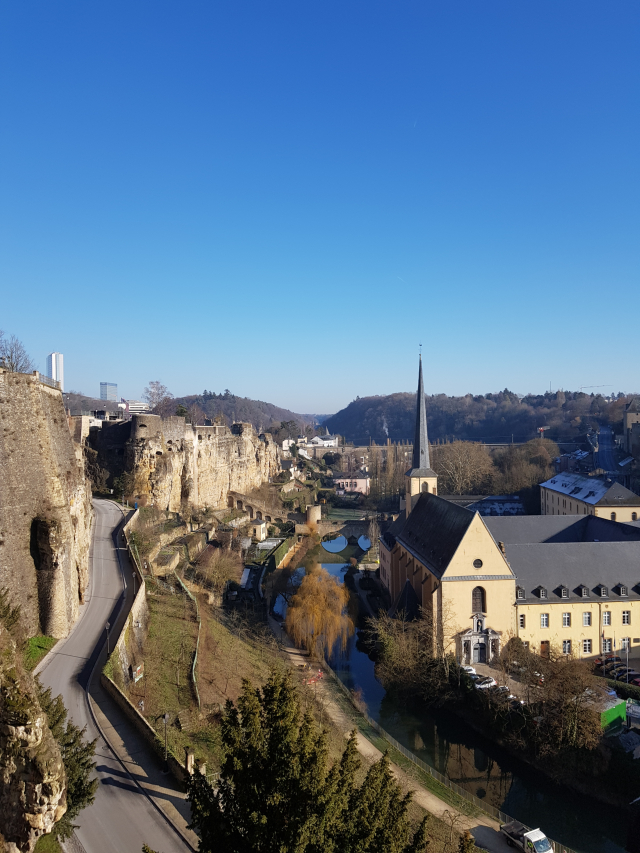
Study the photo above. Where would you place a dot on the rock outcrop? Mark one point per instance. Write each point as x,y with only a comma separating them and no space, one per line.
179,467
45,506
32,776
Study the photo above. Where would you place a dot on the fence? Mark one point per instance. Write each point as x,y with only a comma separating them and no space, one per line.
52,383
493,812
194,679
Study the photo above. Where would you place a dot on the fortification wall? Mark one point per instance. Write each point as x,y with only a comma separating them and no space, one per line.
45,506
178,467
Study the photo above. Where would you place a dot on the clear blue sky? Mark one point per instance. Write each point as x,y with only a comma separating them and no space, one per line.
286,198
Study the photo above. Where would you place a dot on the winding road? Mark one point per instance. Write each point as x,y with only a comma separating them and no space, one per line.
122,818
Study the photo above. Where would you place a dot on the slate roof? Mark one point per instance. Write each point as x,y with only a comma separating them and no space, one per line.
570,550
530,529
420,460
407,603
595,491
434,530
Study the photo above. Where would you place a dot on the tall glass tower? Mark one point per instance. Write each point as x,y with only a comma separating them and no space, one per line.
55,367
109,391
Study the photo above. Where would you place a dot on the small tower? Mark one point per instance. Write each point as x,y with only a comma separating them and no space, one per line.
420,478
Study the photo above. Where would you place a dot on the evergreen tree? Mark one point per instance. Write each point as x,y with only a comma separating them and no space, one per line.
277,794
77,756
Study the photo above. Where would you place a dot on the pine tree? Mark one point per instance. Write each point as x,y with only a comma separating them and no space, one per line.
77,756
276,792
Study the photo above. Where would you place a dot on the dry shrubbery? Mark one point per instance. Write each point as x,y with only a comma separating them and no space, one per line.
215,567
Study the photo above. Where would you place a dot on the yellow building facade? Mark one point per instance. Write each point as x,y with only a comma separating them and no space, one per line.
575,494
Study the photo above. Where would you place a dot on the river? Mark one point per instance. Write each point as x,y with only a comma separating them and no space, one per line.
475,763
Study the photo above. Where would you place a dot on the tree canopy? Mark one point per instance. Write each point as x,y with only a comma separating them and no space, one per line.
13,355
317,616
277,793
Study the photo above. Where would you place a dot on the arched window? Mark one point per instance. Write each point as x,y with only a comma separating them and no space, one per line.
425,487
478,600
634,516
613,516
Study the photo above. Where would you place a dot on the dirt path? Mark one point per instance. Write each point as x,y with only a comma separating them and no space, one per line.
484,829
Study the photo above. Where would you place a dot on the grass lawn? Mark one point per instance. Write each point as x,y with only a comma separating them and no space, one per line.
317,554
48,844
37,648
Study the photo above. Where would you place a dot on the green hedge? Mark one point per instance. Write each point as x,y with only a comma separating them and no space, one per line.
624,690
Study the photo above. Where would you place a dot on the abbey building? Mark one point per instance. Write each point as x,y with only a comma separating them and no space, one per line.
567,583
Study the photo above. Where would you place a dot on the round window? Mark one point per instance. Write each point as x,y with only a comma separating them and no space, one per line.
477,564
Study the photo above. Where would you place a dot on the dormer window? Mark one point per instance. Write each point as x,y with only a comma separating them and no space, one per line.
604,592
543,592
584,591
519,592
564,592
623,590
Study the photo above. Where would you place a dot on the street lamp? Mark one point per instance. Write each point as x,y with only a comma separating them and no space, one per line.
107,626
166,759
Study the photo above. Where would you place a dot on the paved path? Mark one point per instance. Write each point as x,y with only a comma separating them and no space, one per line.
123,816
485,830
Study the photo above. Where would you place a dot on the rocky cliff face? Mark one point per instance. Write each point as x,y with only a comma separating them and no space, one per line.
32,776
179,467
45,507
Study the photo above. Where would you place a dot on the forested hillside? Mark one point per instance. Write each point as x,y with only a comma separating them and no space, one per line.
488,417
233,409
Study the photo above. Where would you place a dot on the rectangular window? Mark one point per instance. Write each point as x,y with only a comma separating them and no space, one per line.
624,590
566,647
586,647
606,645
625,643
565,592
543,592
586,619
520,593
566,620
606,618
523,621
585,592
544,620
626,617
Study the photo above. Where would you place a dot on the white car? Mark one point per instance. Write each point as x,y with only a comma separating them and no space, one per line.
468,669
485,683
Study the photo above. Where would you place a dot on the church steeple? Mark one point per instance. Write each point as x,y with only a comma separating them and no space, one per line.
420,478
421,439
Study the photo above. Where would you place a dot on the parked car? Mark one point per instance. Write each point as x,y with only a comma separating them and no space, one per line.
616,670
627,675
485,682
604,659
469,670
529,840
635,682
609,667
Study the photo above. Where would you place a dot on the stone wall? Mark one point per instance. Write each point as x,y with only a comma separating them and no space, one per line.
178,467
45,507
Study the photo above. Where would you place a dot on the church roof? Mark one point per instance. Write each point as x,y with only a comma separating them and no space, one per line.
556,529
406,603
434,530
420,458
421,472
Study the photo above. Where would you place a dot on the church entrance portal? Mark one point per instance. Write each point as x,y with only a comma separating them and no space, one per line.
479,653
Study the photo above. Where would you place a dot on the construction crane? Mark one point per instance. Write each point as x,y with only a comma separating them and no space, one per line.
595,386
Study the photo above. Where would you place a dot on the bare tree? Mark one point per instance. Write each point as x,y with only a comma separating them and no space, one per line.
463,467
159,398
196,414
13,355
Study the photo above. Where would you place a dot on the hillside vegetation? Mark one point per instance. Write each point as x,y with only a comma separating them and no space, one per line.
488,417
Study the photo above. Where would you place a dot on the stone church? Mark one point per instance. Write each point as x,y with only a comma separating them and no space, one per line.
567,583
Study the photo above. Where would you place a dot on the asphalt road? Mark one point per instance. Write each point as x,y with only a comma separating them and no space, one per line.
606,457
121,819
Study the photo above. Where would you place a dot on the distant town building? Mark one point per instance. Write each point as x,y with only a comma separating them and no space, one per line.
575,494
324,441
357,481
135,407
55,367
631,427
109,391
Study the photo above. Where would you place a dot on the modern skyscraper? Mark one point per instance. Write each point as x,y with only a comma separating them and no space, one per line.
55,367
109,391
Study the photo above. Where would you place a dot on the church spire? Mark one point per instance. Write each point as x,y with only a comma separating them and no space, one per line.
421,439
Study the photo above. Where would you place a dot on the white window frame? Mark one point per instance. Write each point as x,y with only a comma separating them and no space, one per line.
566,620
586,647
544,620
522,621
566,647
586,619
607,645
606,618
626,617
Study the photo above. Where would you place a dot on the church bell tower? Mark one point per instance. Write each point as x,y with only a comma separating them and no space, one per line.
420,478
